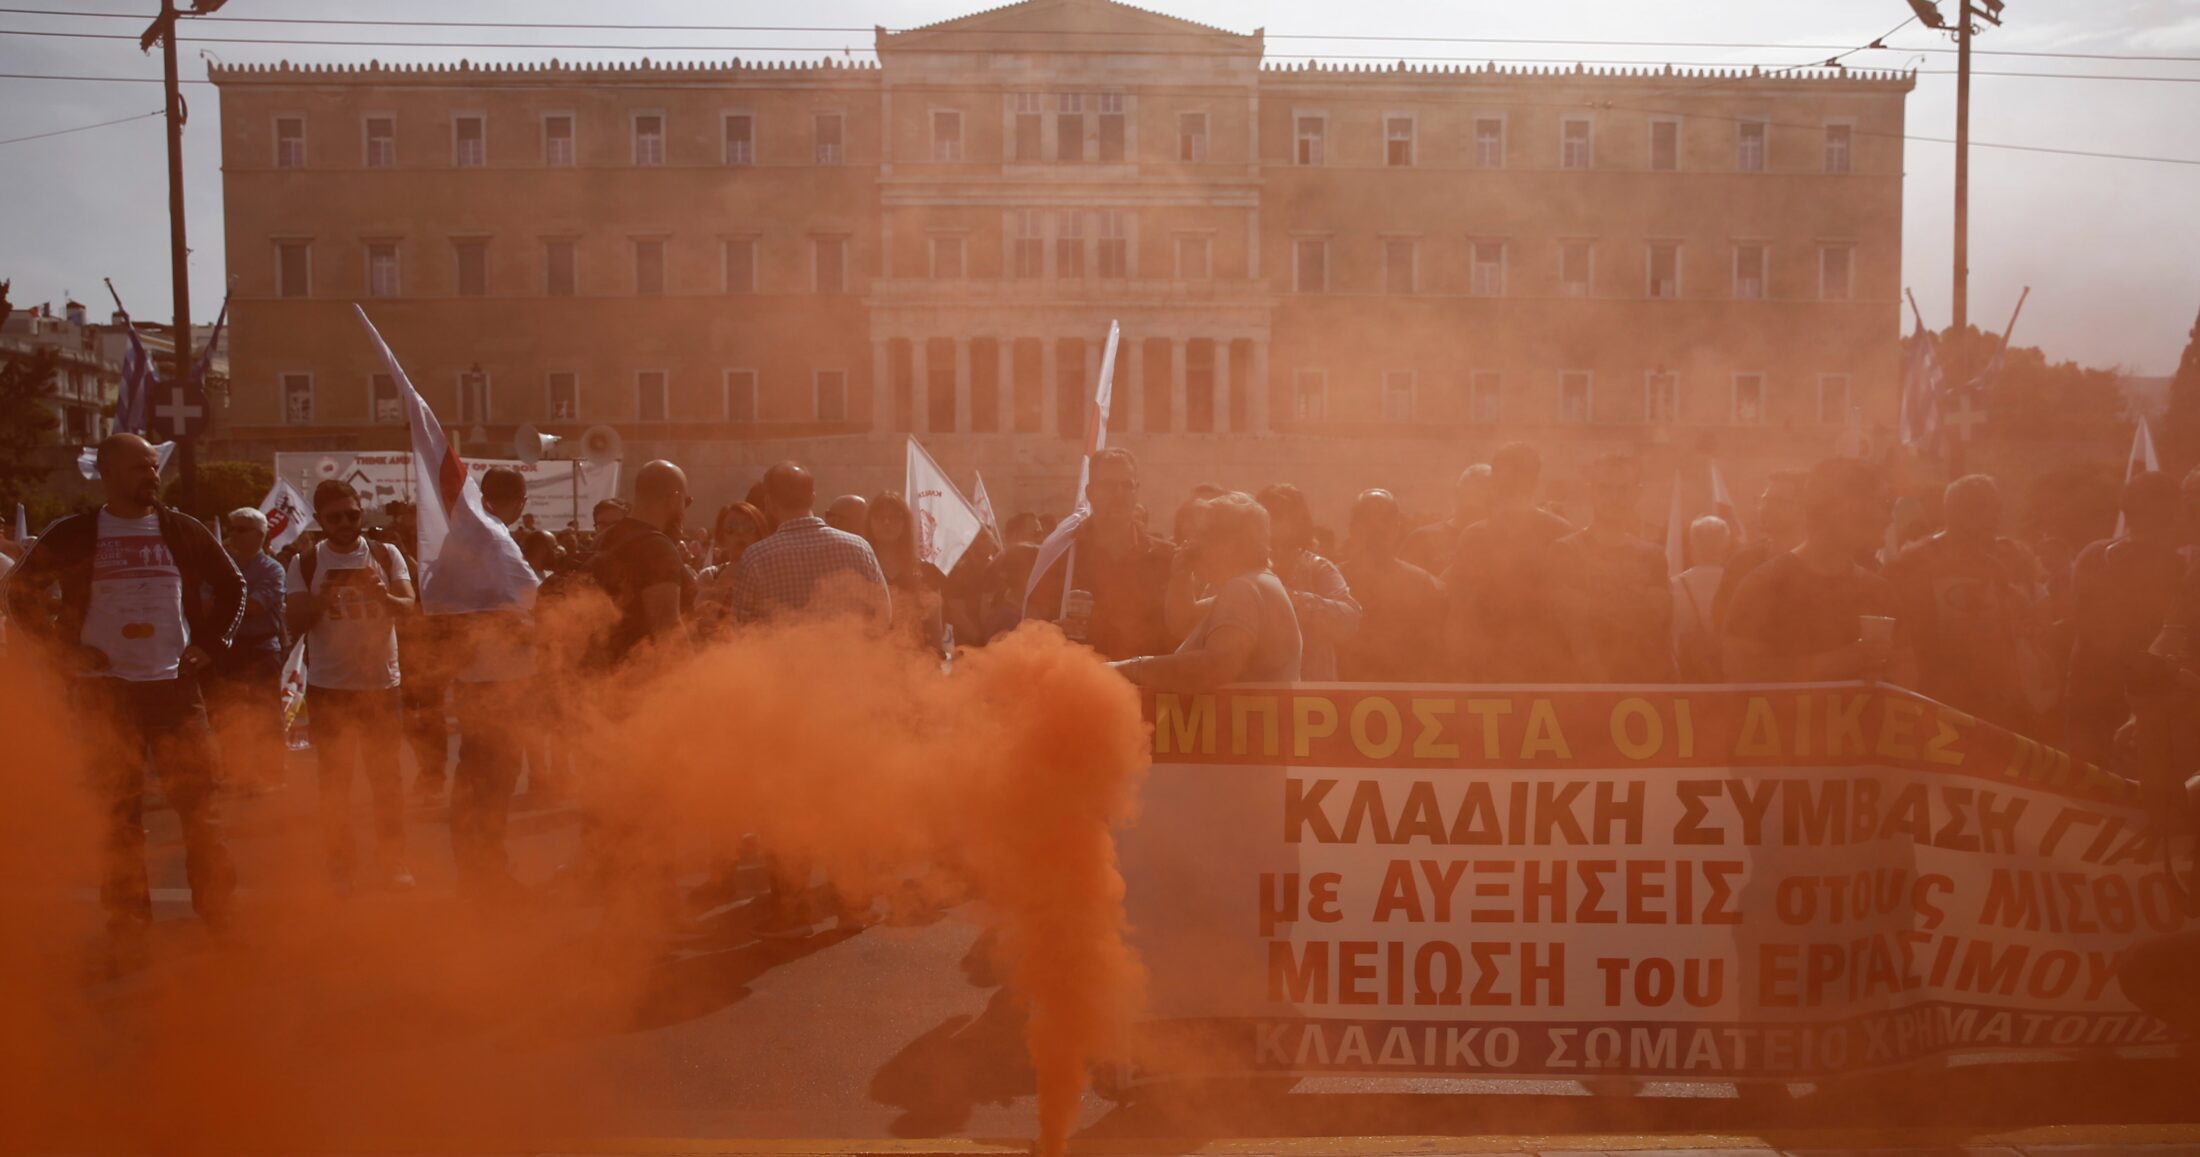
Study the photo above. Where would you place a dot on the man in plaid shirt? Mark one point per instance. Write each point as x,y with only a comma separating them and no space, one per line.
805,565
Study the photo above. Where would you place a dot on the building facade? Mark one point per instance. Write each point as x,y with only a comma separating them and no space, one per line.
1310,265
85,379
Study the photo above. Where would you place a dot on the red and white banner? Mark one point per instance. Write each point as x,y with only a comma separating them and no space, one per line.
1675,882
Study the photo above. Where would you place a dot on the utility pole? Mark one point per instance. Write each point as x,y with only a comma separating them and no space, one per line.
163,29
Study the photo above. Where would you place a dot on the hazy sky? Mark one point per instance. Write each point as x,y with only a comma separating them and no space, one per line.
2110,248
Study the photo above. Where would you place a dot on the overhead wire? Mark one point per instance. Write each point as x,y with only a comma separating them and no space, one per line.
82,128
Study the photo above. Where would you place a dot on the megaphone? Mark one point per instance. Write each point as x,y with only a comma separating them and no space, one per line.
530,445
600,444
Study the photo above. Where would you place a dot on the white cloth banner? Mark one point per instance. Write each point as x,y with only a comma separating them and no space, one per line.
468,561
555,496
946,522
982,502
286,513
1096,439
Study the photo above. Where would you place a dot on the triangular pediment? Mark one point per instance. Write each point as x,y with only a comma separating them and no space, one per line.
1076,25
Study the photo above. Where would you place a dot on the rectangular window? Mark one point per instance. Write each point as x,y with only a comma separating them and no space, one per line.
1489,142
651,403
564,388
290,142
947,135
1665,146
1838,138
740,395
473,398
829,126
1749,398
1310,395
1312,134
1069,128
383,401
1398,395
1485,397
1069,245
293,269
649,138
1835,280
831,389
298,399
1114,129
1749,272
739,130
1312,275
947,258
1575,401
382,269
1486,269
738,257
829,264
1661,397
1398,254
1398,142
1028,252
469,141
1030,128
1115,245
557,140
1573,268
381,142
1749,146
1833,399
1664,264
649,267
559,268
473,267
1574,144
1193,259
1191,137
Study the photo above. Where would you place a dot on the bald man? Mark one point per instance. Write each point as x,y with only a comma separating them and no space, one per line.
148,599
640,564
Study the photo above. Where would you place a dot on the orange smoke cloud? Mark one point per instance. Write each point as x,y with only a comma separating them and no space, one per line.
321,1020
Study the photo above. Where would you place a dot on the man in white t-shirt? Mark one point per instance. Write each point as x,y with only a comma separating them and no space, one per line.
147,600
497,650
345,596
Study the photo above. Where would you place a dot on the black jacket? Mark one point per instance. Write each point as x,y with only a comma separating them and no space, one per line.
213,588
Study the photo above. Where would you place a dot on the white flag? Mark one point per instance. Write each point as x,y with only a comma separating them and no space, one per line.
946,522
1096,439
286,513
983,504
293,685
22,525
2141,461
1722,504
1676,532
87,459
468,561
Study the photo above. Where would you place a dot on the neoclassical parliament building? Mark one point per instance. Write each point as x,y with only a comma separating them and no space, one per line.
1319,270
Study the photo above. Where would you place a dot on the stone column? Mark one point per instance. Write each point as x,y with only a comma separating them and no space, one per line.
962,385
1258,389
1050,387
882,384
1180,388
1225,413
1004,389
1130,369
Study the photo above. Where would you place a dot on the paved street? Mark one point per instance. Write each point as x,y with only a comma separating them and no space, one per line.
895,1038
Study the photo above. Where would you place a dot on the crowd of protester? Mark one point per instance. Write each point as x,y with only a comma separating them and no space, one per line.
1821,582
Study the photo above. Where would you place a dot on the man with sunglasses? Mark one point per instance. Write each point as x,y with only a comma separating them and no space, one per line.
345,597
148,600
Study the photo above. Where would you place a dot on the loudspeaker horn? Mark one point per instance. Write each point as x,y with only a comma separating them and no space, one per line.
601,444
530,445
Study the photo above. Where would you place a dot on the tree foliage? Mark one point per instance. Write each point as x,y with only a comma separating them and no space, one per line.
226,485
26,421
2033,397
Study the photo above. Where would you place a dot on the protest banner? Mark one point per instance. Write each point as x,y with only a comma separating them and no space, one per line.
554,495
1709,883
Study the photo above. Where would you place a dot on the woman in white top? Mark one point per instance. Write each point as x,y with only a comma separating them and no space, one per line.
1249,632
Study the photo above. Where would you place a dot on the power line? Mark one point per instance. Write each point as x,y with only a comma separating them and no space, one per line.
82,128
1141,35
1765,70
